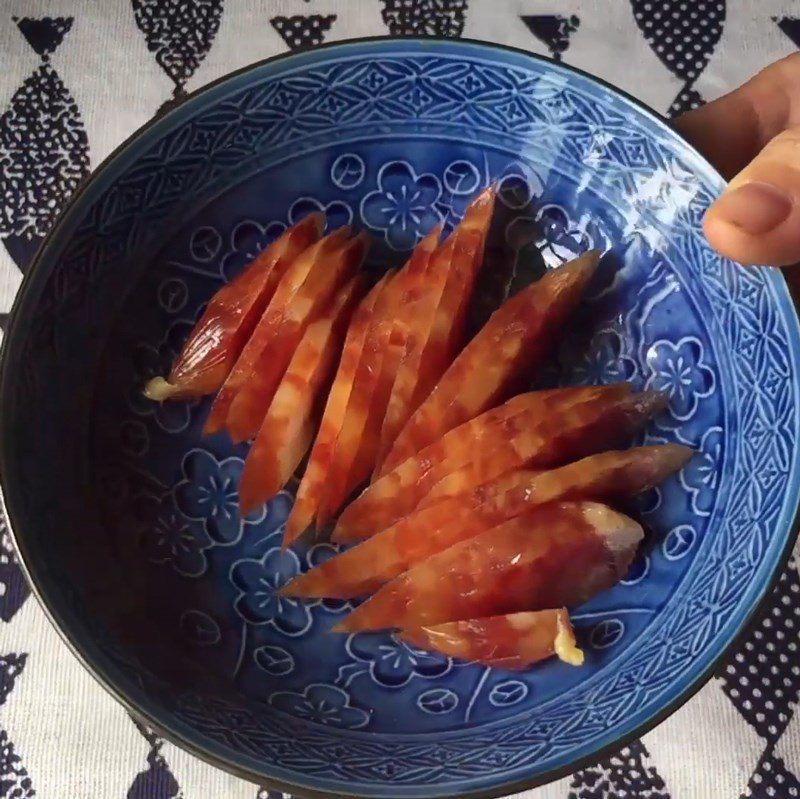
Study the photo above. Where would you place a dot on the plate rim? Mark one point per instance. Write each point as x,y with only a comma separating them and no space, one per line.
72,207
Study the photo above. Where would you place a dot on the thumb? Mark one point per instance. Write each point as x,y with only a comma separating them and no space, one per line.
757,218
753,133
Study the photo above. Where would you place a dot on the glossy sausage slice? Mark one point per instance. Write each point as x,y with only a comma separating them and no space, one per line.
560,554
325,278
309,492
514,641
413,289
219,336
267,329
508,347
577,432
435,317
363,569
445,338
288,428
538,429
366,416
431,288
478,219
356,446
245,396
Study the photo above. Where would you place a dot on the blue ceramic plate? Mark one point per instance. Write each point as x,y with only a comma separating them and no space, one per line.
126,517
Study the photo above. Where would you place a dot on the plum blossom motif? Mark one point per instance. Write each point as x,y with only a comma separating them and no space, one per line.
551,232
606,633
337,213
603,361
561,237
166,537
274,660
437,701
199,628
394,663
209,494
637,571
316,556
248,239
461,181
322,704
403,206
205,244
149,361
529,265
679,371
648,502
507,693
518,187
462,178
348,171
678,542
259,603
700,477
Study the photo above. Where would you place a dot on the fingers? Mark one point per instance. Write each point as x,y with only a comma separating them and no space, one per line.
726,131
754,135
732,130
757,219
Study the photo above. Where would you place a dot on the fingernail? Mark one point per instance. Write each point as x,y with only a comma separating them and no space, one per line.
754,208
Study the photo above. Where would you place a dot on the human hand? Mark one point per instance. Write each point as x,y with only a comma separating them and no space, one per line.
752,135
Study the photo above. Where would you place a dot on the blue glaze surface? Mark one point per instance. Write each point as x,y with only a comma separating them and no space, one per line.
127,518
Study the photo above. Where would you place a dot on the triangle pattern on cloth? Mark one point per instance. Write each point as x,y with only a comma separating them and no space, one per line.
424,17
553,31
762,678
682,36
14,588
11,667
179,34
627,773
156,781
687,99
46,34
790,26
772,779
14,779
303,31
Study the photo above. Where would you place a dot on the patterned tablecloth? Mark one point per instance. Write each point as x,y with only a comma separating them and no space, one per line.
78,77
